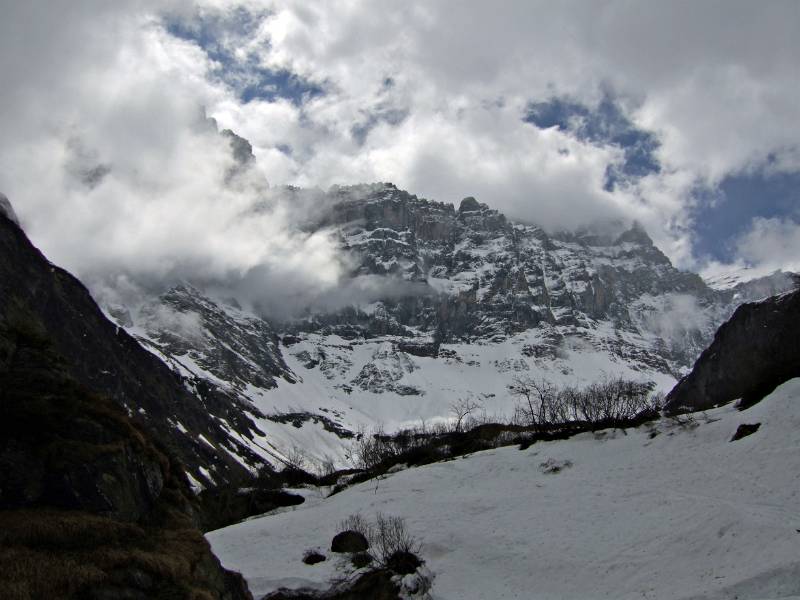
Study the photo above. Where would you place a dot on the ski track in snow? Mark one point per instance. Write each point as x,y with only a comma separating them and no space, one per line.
685,515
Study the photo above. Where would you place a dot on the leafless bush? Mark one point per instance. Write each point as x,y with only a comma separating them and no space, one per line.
542,405
656,402
296,458
391,536
371,449
461,409
357,522
325,466
387,536
535,399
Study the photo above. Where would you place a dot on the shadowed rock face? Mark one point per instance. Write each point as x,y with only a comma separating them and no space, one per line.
90,506
106,360
752,354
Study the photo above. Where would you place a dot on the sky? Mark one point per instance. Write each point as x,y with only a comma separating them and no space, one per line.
681,115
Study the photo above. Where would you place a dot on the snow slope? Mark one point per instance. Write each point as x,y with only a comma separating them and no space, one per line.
685,514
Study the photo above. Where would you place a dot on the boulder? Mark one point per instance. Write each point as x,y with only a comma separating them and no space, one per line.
312,557
349,541
403,562
744,430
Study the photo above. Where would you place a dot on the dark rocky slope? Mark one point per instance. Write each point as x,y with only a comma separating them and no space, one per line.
90,506
752,354
105,359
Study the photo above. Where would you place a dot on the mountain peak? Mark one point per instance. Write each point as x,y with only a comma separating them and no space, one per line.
636,234
470,204
7,210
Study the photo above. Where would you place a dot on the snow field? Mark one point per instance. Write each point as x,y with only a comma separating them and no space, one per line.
685,514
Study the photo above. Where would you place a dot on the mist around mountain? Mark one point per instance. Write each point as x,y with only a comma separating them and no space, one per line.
437,304
192,391
94,498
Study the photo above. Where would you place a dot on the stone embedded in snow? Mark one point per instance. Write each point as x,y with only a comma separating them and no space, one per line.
349,541
744,430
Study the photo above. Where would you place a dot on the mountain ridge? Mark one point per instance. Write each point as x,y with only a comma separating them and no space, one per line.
466,300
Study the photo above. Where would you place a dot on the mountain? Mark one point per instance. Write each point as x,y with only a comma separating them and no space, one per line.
188,415
749,277
681,505
92,506
455,303
752,353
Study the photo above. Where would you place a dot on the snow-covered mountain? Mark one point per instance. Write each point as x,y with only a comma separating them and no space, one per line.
466,300
746,276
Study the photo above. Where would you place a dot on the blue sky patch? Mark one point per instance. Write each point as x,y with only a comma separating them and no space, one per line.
726,212
392,116
605,124
219,34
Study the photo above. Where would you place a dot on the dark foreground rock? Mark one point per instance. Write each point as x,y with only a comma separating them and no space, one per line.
349,541
754,352
91,506
375,585
744,430
221,507
104,359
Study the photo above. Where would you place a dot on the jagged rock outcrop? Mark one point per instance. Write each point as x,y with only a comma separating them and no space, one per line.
189,417
460,301
472,275
90,506
755,351
223,341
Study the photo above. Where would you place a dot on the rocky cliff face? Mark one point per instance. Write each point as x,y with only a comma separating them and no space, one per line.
483,278
755,351
192,417
463,301
90,506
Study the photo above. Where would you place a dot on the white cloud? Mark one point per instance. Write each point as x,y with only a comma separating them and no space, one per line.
771,244
98,84
113,168
716,81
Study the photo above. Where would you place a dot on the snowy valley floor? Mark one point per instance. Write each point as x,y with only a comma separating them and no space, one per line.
685,514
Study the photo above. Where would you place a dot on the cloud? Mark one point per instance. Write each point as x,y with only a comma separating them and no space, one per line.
709,88
113,169
676,318
771,244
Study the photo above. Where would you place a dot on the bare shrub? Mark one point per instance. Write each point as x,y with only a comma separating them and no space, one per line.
390,537
296,458
541,405
356,522
325,466
463,408
371,450
368,450
387,536
539,402
616,399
